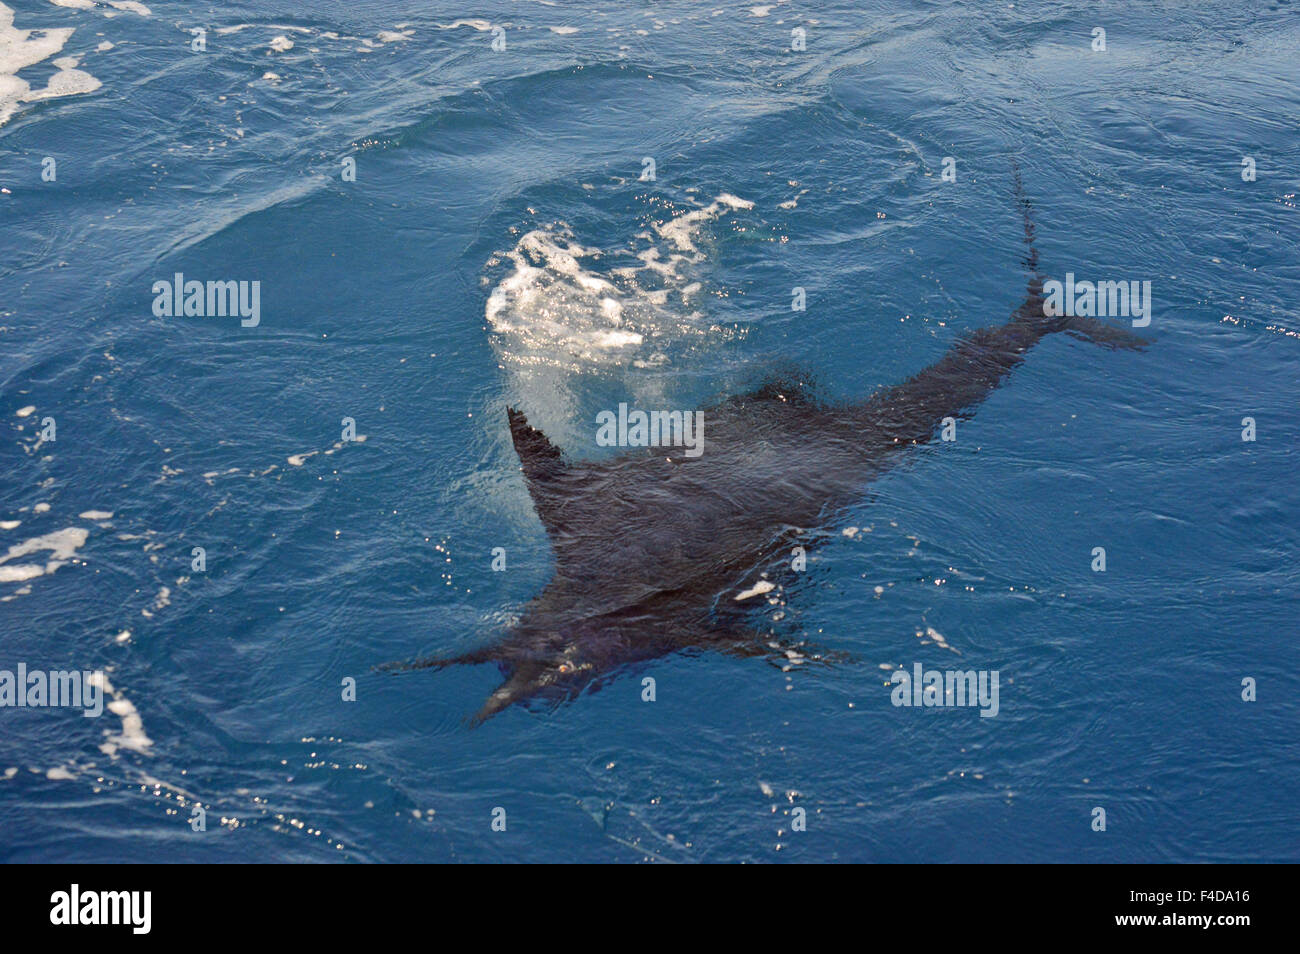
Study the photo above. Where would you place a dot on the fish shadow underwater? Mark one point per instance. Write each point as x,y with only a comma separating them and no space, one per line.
648,546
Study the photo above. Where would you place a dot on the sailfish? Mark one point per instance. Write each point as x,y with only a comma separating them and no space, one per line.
652,546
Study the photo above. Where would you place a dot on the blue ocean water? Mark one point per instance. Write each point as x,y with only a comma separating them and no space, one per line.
501,244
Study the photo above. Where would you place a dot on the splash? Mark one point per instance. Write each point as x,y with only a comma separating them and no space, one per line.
559,307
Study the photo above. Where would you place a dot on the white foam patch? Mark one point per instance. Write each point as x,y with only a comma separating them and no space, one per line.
65,82
96,515
160,602
937,638
281,43
758,589
297,460
681,231
279,28
793,203
62,546
481,25
20,49
132,736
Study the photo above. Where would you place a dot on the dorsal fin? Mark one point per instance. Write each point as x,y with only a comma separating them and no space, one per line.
541,463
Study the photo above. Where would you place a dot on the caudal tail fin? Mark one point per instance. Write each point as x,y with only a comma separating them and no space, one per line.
1034,310
1104,333
1033,305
